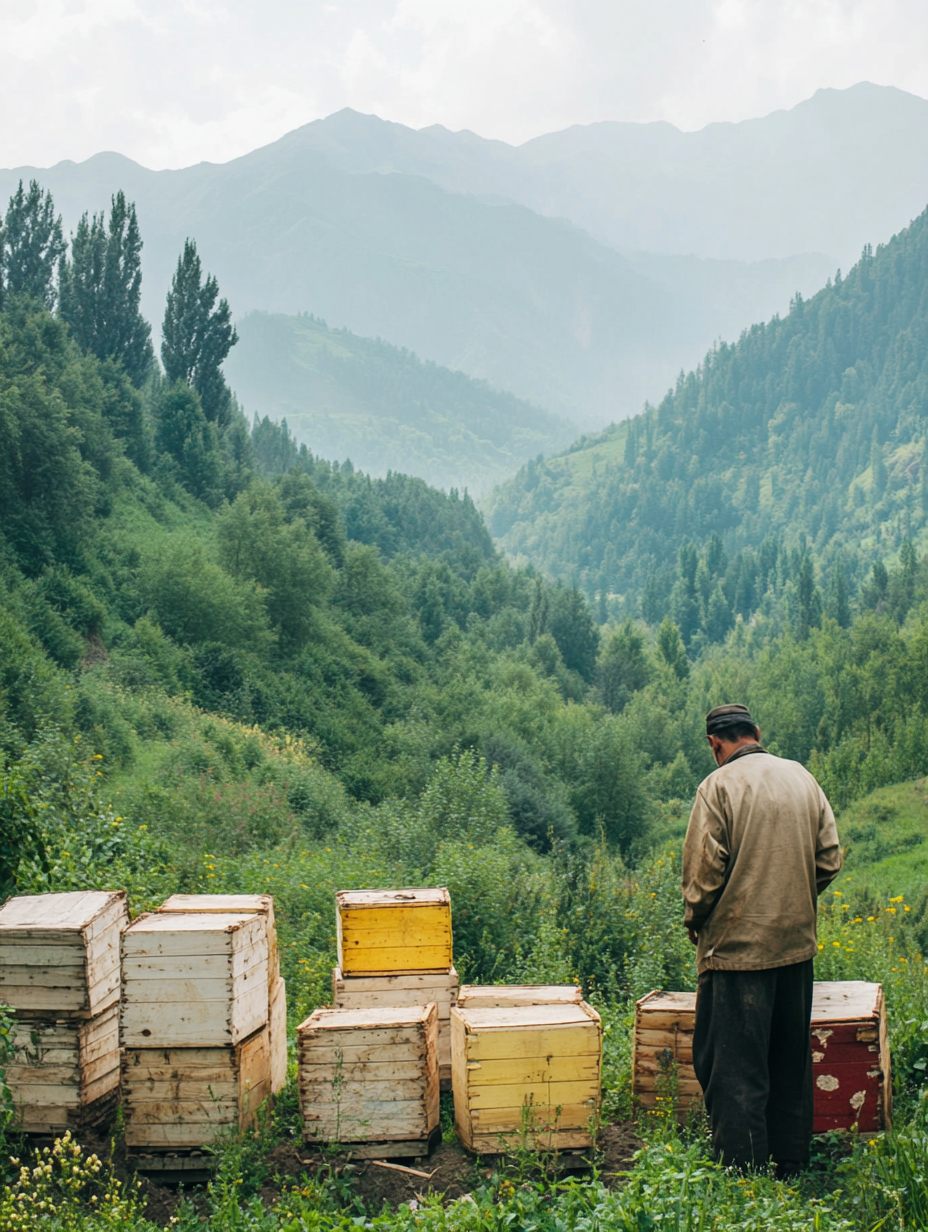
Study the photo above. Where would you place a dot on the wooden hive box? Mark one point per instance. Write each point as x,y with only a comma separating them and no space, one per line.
232,904
526,1074
850,1053
263,905
64,1074
193,981
59,953
369,1078
401,991
392,932
183,1098
493,996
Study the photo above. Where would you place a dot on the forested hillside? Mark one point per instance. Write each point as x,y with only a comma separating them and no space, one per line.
227,665
357,398
810,429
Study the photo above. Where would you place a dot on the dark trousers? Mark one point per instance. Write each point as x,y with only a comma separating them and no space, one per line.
753,1060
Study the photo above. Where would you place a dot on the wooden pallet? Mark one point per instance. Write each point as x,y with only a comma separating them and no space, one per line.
59,953
402,991
370,1077
850,1053
193,981
386,932
526,1075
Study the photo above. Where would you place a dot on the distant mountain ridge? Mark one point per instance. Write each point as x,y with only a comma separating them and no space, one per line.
383,408
811,429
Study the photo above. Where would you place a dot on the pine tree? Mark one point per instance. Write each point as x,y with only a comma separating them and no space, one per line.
670,646
31,245
101,289
198,335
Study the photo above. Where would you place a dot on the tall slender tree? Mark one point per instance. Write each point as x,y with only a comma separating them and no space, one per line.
101,289
31,245
197,336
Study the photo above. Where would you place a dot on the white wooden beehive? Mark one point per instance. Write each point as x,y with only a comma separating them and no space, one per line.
193,981
64,1074
263,905
389,932
370,1078
526,1075
59,953
498,996
402,991
181,1098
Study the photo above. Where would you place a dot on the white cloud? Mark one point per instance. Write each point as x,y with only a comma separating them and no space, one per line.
170,82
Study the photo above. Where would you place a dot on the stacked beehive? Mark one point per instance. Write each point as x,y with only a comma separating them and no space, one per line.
193,1027
263,905
59,971
850,1054
526,1074
394,950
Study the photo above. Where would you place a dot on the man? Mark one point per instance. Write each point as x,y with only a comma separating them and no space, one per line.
760,847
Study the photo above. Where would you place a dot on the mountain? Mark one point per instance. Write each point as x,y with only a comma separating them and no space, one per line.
532,304
813,428
350,397
825,176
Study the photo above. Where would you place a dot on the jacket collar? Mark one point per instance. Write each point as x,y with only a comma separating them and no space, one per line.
745,751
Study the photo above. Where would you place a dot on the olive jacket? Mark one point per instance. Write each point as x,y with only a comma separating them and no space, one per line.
760,847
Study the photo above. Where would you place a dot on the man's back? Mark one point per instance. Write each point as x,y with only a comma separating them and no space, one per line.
760,846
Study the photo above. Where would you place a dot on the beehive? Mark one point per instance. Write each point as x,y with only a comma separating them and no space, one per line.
526,1074
193,981
850,1057
389,932
64,1074
59,953
850,1053
493,996
370,1078
400,991
232,904
187,1097
263,905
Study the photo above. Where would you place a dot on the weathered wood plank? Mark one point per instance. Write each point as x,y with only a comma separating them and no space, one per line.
492,996
441,983
277,1035
548,1041
581,1068
538,1094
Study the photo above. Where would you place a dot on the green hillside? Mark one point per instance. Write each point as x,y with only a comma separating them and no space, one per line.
360,398
808,430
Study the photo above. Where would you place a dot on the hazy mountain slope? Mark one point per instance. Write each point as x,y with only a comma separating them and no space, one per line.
825,176
531,304
816,424
350,397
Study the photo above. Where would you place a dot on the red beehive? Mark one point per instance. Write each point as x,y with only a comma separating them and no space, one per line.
850,1053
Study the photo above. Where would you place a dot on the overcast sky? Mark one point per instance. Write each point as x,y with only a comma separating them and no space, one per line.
171,82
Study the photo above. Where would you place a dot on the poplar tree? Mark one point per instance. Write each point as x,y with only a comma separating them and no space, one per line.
101,290
197,336
31,245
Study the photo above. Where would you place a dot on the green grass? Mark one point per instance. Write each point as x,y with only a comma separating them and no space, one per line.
887,836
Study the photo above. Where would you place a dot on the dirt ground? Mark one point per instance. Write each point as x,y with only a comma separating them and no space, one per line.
451,1171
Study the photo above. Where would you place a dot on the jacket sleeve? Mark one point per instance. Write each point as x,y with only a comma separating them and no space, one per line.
828,857
705,858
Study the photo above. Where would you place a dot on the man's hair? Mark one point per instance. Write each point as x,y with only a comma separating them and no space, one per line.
735,731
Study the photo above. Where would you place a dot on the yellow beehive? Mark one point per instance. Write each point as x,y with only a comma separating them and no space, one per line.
263,905
364,992
64,1074
526,1074
382,932
59,953
498,996
186,1097
370,1078
193,981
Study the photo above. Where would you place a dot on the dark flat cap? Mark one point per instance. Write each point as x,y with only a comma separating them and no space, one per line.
721,717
